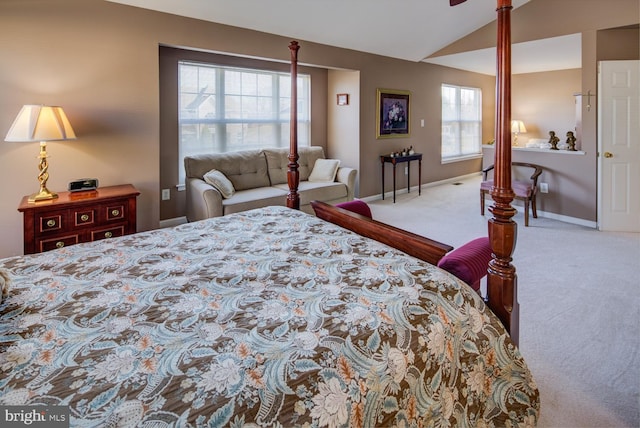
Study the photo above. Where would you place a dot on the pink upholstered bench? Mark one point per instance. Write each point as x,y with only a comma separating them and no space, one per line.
469,262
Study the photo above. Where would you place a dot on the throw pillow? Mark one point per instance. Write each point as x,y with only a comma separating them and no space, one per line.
220,181
324,170
4,283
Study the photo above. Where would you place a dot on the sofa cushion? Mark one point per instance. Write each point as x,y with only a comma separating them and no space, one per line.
218,180
324,170
254,198
245,169
278,162
309,191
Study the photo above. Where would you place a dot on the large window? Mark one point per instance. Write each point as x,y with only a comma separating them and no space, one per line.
461,122
223,109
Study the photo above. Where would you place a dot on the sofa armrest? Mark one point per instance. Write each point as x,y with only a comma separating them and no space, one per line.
348,176
202,200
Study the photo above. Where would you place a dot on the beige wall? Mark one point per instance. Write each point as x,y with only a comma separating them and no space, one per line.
609,31
343,124
546,101
100,61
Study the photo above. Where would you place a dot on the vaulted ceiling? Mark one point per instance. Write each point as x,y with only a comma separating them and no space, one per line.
412,30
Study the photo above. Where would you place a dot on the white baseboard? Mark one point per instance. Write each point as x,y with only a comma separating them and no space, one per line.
552,216
451,180
567,219
415,188
173,222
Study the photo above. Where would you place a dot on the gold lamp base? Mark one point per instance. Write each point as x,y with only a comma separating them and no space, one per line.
43,195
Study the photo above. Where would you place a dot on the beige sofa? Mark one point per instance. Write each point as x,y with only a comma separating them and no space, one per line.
259,179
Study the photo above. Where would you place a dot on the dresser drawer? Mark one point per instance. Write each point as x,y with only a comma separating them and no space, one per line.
51,222
84,217
105,233
57,242
115,211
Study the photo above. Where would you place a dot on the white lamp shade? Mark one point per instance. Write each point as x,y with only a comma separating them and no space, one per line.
517,126
40,123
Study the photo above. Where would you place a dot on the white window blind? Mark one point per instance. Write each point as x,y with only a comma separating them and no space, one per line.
224,109
461,122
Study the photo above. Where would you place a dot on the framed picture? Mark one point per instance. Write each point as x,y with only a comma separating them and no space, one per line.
343,99
393,113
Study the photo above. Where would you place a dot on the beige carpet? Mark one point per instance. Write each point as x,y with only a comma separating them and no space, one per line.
579,294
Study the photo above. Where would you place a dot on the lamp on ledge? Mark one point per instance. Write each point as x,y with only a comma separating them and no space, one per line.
41,123
517,127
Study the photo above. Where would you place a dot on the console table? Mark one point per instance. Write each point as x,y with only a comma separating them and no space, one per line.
394,160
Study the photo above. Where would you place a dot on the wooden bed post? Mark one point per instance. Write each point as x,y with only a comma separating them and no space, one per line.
293,175
502,280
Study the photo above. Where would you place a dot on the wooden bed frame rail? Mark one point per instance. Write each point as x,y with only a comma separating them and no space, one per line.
403,240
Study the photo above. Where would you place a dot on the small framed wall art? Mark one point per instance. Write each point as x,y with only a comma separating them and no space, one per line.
343,99
393,113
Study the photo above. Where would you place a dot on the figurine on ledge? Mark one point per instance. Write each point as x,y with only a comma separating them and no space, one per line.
571,142
553,140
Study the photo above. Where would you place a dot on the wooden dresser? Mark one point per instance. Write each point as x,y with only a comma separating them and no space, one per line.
75,217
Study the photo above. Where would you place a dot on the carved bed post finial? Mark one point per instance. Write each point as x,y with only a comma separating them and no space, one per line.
502,279
293,175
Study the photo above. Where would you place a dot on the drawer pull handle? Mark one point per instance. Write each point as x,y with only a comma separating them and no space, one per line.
108,234
115,213
51,223
84,217
59,244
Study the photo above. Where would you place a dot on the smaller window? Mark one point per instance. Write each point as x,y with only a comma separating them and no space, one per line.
461,122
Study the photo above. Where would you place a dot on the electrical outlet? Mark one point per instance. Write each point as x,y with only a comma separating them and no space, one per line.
544,187
406,170
166,194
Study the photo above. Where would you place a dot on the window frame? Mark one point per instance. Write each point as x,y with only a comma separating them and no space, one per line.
459,123
278,122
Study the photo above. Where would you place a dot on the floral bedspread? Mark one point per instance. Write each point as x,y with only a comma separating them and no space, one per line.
270,317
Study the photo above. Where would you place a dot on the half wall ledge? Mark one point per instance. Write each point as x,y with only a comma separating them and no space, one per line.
534,149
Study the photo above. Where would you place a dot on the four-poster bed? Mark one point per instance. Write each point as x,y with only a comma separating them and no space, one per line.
261,318
501,279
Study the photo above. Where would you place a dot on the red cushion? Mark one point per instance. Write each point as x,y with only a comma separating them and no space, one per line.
357,206
469,262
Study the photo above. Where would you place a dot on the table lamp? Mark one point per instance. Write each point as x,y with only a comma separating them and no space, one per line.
517,127
41,123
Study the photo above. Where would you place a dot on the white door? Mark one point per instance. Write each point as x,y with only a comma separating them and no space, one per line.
619,146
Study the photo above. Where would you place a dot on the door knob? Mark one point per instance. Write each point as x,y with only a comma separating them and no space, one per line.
608,154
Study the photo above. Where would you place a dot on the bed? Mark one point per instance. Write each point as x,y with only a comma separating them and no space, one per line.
270,317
